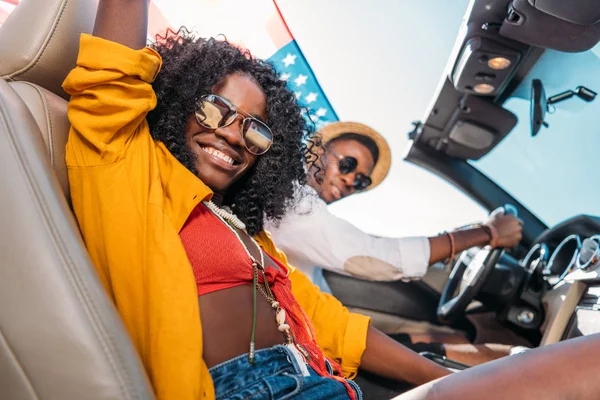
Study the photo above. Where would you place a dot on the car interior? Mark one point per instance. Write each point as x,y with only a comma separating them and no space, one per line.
61,337
537,293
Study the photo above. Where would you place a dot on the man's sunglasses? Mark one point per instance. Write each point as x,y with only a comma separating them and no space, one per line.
347,165
215,112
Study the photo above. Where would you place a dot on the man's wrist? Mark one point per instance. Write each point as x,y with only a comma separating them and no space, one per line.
492,233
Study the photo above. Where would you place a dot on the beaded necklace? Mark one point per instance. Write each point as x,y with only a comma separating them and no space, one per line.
265,291
225,215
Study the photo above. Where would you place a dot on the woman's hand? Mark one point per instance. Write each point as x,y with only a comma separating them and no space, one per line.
123,21
388,358
509,230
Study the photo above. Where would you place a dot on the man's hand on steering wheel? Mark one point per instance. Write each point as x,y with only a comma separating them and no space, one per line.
506,229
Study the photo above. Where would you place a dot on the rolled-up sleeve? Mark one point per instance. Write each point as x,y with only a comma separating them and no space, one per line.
341,334
318,238
111,93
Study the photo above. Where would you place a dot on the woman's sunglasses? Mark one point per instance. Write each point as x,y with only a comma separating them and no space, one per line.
347,165
215,112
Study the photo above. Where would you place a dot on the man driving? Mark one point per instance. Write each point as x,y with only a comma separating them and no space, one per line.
355,159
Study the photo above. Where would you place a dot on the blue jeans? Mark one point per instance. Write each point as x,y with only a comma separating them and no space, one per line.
275,374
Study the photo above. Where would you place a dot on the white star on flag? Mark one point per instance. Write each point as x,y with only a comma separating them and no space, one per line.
285,76
314,118
298,95
321,112
300,80
312,97
289,60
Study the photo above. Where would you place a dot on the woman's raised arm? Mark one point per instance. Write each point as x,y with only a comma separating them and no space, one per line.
123,21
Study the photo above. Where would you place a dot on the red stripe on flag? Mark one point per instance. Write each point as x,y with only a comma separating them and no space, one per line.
277,28
157,23
13,2
278,32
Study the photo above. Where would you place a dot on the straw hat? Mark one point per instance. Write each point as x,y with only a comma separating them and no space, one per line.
381,169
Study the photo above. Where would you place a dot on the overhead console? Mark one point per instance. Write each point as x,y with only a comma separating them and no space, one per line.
466,120
484,64
498,44
464,132
570,26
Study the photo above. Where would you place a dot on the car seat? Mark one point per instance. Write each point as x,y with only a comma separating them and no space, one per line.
60,335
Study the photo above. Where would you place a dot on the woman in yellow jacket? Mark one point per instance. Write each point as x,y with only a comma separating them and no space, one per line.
211,305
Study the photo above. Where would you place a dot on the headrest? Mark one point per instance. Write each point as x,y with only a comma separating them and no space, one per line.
50,114
40,40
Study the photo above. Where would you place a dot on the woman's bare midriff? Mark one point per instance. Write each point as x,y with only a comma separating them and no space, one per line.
227,322
227,318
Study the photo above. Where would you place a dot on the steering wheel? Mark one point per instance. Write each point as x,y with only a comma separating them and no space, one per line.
469,277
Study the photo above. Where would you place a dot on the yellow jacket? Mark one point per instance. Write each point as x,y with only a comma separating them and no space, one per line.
131,198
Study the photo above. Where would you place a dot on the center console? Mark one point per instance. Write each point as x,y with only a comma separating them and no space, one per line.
585,320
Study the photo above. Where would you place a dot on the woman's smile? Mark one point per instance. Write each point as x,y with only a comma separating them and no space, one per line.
218,155
221,155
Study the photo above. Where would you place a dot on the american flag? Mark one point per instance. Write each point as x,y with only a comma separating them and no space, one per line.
295,69
258,26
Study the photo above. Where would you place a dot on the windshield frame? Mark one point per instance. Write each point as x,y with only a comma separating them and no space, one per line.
476,185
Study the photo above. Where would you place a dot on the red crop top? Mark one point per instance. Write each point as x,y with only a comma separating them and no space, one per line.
218,259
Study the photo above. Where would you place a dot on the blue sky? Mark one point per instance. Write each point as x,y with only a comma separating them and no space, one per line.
552,173
379,63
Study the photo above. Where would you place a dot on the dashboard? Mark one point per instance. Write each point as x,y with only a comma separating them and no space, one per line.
553,292
571,249
564,262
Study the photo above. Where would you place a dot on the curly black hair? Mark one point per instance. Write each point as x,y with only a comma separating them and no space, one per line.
191,67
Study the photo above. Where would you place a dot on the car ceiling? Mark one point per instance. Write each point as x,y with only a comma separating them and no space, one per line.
466,123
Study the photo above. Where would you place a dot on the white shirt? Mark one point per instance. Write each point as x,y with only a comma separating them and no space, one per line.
313,238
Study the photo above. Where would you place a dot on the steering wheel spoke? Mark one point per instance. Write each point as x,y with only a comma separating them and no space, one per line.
468,279
468,275
449,305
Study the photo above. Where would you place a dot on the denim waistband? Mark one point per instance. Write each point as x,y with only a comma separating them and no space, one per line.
275,373
271,360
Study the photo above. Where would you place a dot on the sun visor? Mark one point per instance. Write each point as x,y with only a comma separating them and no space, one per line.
580,12
571,26
468,134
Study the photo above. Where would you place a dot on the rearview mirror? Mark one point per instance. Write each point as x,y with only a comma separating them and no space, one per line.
539,106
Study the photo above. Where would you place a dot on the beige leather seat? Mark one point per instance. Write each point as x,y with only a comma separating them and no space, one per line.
60,336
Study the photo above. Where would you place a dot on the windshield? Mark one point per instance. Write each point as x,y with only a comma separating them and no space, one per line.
554,173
